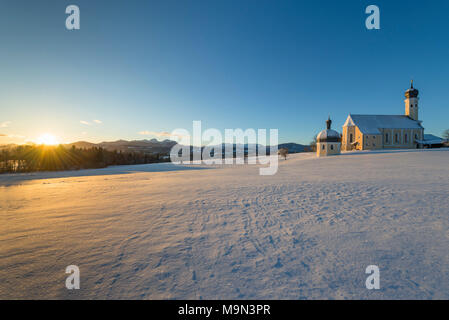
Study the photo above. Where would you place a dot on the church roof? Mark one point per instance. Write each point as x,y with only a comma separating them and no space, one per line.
412,92
328,135
370,124
432,139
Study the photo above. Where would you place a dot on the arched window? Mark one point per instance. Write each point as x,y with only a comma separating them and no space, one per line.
351,138
332,147
323,147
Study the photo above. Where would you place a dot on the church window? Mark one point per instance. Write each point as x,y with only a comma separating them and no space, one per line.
350,138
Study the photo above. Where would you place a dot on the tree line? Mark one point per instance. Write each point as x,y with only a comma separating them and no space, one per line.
32,158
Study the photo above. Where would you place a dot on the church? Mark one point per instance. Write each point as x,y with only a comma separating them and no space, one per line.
370,132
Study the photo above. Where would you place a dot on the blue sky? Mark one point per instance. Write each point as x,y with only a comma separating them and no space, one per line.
158,65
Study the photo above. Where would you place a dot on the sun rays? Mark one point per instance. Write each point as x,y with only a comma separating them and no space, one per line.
47,139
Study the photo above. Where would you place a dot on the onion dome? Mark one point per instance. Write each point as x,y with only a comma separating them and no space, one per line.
412,92
328,135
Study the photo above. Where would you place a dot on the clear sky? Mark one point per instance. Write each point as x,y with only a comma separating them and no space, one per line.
154,66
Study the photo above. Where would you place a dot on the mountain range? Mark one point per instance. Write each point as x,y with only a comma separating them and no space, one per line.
153,146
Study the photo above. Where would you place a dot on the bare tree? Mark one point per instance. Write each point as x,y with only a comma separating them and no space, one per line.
283,153
446,134
313,144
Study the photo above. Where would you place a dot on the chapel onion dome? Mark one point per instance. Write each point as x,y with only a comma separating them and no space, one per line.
412,92
328,135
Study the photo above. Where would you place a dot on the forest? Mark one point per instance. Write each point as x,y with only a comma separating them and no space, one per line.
32,158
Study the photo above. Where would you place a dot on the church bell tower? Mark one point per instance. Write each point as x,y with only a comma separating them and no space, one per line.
411,102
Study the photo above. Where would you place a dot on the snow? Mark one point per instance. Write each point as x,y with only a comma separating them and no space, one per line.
431,139
370,124
328,133
308,232
349,122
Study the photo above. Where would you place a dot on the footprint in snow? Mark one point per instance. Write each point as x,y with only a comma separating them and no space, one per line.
278,264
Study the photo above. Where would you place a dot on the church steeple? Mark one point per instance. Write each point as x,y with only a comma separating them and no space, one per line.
411,102
328,123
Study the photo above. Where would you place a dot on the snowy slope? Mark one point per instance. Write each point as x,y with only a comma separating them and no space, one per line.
307,232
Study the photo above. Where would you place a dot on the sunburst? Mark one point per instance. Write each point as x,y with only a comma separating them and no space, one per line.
47,139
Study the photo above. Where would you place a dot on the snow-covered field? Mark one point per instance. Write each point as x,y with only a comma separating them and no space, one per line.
198,232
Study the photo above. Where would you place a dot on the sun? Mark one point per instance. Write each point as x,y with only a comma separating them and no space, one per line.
47,139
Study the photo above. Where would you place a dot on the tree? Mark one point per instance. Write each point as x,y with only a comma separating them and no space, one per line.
283,152
446,134
313,144
30,158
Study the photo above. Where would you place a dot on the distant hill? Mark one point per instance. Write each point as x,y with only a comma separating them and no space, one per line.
154,146
146,146
7,146
81,145
294,147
